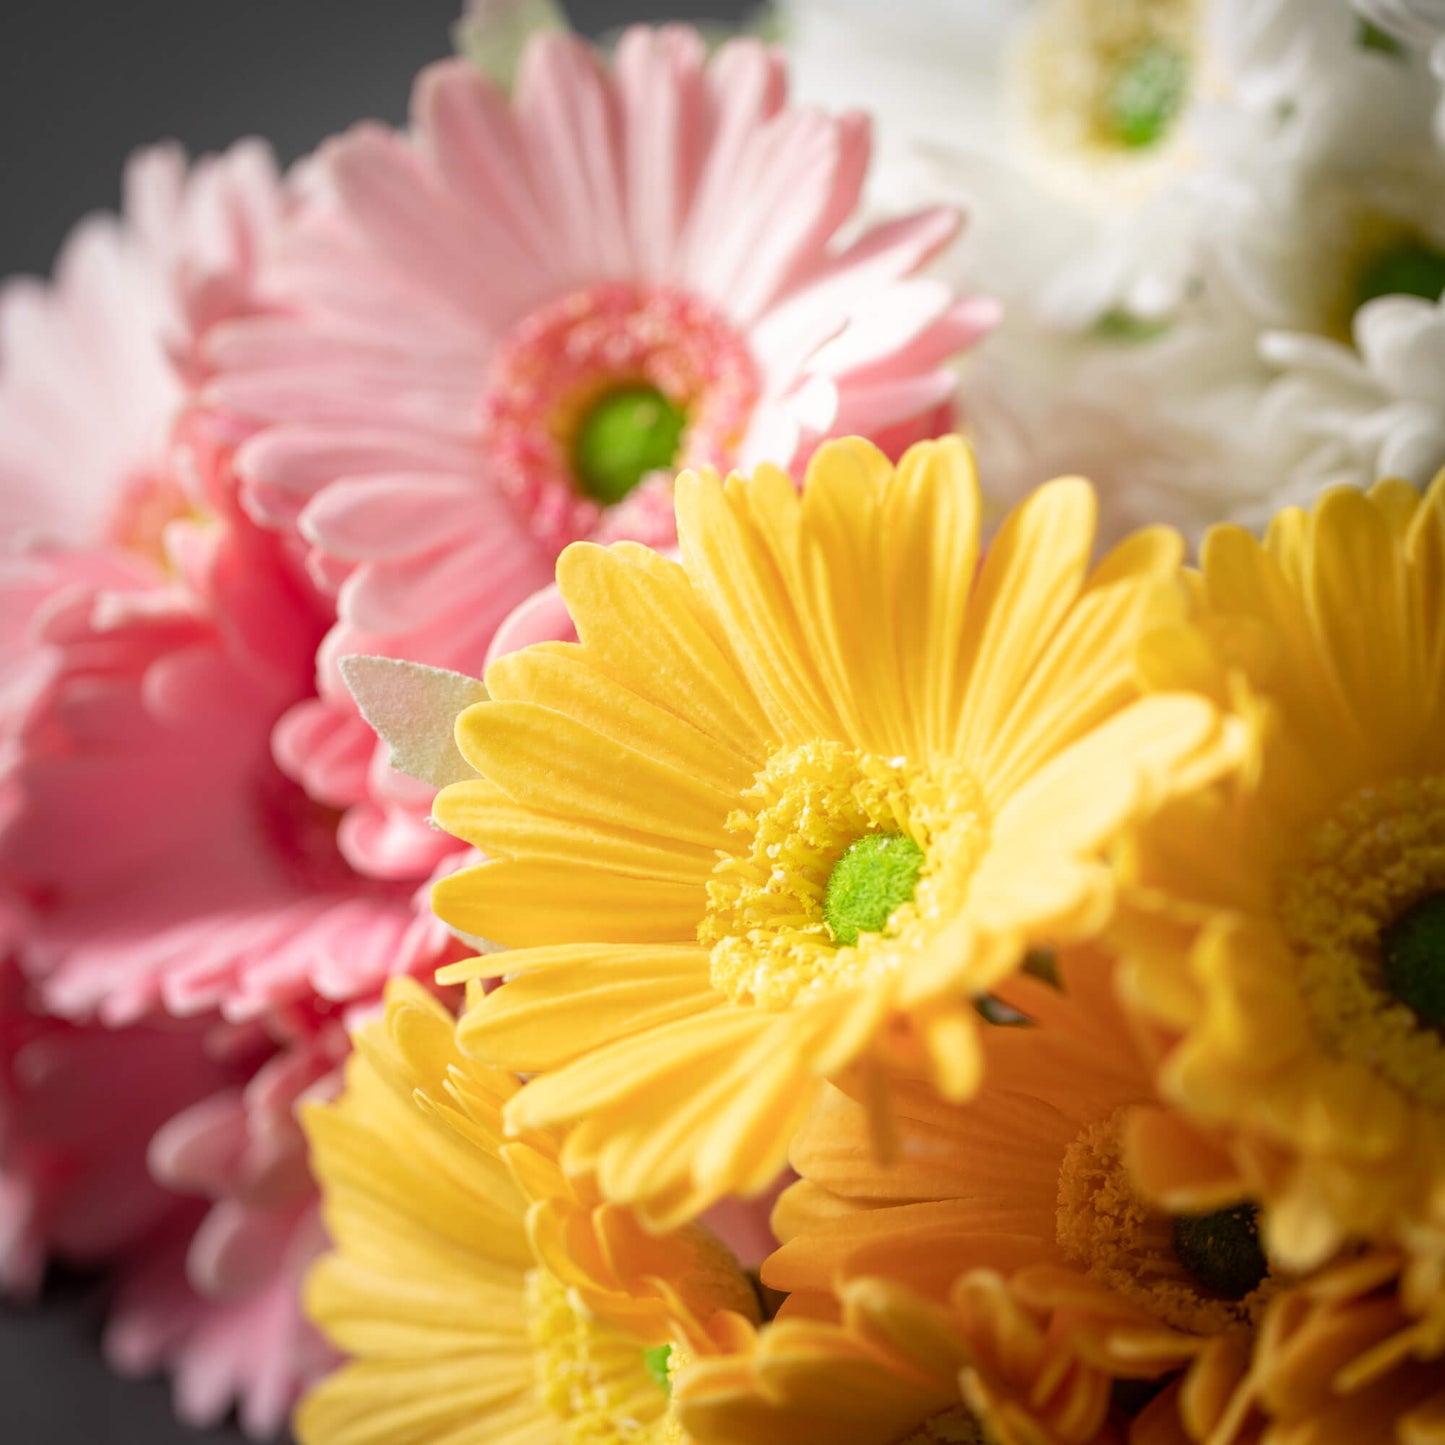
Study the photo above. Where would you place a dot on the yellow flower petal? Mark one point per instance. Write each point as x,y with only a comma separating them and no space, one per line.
522,904
818,668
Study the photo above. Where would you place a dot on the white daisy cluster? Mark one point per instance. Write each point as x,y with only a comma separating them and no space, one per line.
1218,228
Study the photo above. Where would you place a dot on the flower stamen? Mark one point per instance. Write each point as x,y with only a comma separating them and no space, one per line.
601,1386
604,387
1191,1272
1368,962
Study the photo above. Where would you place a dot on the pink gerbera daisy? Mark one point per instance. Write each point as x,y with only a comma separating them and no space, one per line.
74,1183
167,890
509,328
169,1151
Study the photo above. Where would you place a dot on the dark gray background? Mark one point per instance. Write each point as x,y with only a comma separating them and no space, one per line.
82,83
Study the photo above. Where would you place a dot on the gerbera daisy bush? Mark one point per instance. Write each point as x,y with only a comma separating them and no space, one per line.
663,784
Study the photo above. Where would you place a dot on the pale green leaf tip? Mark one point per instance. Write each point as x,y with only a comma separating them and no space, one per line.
492,34
413,709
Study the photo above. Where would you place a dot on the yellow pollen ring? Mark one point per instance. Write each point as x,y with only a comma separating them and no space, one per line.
1125,1244
1111,77
1361,869
591,1376
765,924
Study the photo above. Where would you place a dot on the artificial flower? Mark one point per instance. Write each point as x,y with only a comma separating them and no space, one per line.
1359,413
165,1153
1105,116
1311,237
940,979
998,1273
981,1368
508,328
1289,923
1156,190
1417,23
1344,267
792,802
480,1295
153,636
1345,1356
92,383
75,1184
1032,1181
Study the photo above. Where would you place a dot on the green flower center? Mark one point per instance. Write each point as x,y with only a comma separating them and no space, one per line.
656,1360
1412,958
1146,94
1117,324
1411,268
1370,37
876,875
958,1426
625,435
1221,1250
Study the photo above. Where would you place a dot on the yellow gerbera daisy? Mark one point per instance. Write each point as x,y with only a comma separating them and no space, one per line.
1340,1359
980,1368
1309,895
484,1301
790,803
1030,1180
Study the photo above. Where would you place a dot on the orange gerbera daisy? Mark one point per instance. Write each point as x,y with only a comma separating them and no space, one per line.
1031,1180
791,803
1343,1358
899,1369
481,1298
1293,922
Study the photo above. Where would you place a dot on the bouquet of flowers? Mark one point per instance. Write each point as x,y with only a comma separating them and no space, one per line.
596,850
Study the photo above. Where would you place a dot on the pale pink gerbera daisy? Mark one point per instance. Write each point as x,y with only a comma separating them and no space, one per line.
160,865
510,327
91,381
169,1151
74,1183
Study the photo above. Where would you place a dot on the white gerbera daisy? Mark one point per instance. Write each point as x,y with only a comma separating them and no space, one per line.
1164,421
1416,23
1363,412
1342,262
1101,127
1155,188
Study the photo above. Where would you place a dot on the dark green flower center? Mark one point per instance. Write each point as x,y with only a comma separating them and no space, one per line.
626,434
1118,324
1221,1250
1370,37
1412,958
656,1358
958,1426
1146,95
877,874
1411,268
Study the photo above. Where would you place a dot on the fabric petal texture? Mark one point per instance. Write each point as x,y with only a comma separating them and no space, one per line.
457,306
764,732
